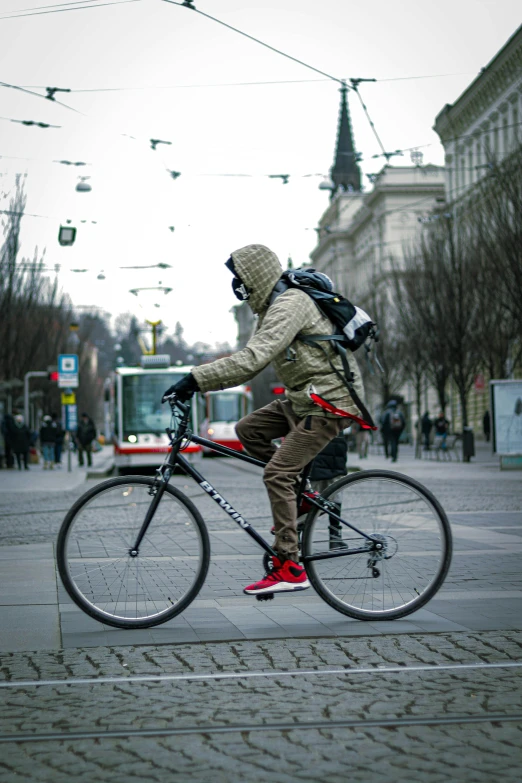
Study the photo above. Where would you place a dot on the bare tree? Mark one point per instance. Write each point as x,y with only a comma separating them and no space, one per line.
439,290
496,214
35,314
387,382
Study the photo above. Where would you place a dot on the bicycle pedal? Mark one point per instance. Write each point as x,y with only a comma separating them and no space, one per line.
265,596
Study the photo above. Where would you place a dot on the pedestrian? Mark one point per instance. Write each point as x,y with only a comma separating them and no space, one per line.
20,441
362,439
85,434
7,431
327,467
426,427
392,425
486,425
441,425
60,435
47,441
305,426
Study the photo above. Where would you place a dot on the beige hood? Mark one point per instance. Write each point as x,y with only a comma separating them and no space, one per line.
259,269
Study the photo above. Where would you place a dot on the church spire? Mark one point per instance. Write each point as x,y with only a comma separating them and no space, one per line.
345,172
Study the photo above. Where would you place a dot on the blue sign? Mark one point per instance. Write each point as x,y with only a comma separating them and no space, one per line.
71,417
67,371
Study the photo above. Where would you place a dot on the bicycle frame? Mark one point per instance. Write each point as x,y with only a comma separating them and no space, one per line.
175,458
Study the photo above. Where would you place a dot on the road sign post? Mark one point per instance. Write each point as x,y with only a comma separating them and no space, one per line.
68,371
71,423
68,380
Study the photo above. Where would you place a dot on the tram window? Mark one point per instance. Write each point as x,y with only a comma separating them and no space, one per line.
225,407
142,408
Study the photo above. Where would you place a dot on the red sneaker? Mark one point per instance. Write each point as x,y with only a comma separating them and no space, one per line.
284,577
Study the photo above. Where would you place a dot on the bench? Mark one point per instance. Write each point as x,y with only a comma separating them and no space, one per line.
444,451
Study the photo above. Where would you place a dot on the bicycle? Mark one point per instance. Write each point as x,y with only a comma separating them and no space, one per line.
134,552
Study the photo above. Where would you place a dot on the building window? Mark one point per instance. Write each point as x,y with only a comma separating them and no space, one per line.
515,125
471,178
495,142
505,135
463,169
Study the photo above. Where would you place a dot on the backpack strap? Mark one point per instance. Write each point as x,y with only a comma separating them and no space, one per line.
336,340
280,287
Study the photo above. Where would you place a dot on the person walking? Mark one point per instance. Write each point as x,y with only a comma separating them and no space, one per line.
486,425
306,427
441,425
20,441
327,467
60,435
393,424
85,434
47,442
7,431
426,427
362,440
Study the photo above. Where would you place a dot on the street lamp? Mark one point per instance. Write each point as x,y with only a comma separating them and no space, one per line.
147,301
83,186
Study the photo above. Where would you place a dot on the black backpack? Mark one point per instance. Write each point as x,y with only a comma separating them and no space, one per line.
353,326
395,421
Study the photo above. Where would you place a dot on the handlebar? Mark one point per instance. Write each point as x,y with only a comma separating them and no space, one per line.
175,403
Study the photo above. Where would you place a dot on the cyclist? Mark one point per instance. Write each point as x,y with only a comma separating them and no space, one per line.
305,427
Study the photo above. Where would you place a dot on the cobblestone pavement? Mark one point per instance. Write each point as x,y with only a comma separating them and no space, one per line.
458,750
397,730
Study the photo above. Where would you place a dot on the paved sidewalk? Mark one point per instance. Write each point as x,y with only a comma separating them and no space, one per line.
36,479
483,590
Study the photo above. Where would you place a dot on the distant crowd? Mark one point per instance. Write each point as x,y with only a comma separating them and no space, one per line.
20,446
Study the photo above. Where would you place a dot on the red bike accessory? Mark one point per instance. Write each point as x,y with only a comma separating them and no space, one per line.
331,408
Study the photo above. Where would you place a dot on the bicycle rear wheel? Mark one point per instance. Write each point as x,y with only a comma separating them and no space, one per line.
103,578
387,581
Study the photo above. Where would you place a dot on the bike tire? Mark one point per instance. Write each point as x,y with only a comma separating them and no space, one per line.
85,546
412,505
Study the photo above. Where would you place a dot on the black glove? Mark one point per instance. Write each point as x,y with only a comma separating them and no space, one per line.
183,389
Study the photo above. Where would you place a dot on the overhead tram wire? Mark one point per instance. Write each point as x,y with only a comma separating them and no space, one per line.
56,10
256,40
354,82
140,88
52,5
37,94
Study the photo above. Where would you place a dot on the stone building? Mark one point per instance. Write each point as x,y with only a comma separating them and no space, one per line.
483,126
478,131
360,233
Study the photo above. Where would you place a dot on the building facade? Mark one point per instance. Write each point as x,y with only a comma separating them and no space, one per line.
483,126
361,234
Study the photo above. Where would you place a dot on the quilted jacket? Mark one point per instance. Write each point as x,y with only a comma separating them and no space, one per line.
275,341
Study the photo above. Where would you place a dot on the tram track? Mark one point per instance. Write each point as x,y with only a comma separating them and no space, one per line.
391,723
216,676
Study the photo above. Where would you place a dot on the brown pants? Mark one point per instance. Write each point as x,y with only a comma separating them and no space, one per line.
303,440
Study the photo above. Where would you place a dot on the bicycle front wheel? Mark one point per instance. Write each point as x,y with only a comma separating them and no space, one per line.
122,589
400,569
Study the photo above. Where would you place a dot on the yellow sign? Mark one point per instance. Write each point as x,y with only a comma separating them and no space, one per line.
68,399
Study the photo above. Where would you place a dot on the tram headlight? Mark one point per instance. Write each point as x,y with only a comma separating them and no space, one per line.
210,431
132,439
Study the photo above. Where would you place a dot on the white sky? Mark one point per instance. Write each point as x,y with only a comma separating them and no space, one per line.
255,130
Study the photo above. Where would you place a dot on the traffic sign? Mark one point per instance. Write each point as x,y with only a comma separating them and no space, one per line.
68,371
68,397
71,417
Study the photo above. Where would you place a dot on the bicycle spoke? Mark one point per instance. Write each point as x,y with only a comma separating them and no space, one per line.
100,572
405,569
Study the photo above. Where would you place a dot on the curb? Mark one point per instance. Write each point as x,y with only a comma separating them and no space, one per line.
101,472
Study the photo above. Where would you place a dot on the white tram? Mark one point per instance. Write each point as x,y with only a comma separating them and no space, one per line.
219,412
139,418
